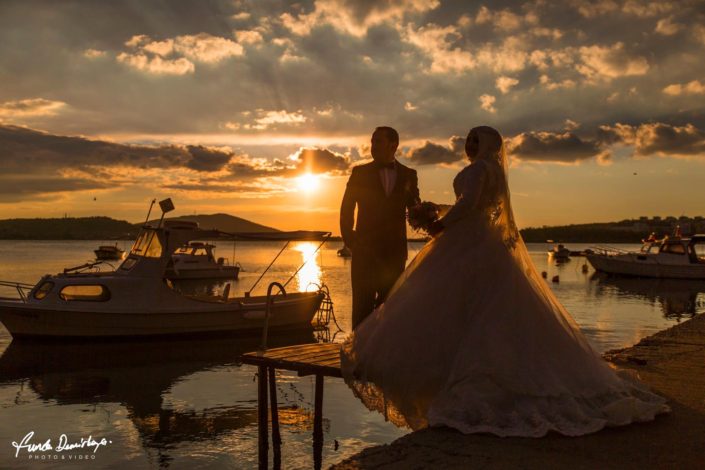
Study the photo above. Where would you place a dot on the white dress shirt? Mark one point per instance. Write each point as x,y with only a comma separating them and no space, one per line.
388,177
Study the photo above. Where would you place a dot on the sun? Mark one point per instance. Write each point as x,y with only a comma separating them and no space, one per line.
308,182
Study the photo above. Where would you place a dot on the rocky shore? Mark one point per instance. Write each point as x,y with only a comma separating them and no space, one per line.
671,362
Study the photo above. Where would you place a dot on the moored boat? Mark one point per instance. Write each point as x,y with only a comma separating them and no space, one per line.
137,299
675,258
559,253
196,260
109,253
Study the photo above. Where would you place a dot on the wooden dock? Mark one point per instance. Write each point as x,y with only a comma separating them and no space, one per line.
319,359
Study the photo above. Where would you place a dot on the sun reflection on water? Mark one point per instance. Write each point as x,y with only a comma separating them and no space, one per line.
310,274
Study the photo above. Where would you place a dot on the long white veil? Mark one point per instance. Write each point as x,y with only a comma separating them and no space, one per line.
501,216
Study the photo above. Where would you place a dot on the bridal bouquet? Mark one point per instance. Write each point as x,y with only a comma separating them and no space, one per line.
422,215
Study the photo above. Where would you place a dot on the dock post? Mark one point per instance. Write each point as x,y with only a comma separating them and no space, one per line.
318,424
262,411
276,436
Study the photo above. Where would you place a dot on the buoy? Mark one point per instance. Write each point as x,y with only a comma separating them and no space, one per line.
556,279
585,268
544,274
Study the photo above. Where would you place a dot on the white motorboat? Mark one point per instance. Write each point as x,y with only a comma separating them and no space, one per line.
137,300
196,260
676,258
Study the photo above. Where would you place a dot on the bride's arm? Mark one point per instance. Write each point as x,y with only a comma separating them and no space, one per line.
473,183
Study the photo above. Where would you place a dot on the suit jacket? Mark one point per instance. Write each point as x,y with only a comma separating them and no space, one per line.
381,219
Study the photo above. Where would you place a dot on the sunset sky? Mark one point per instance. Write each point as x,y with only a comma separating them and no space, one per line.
259,108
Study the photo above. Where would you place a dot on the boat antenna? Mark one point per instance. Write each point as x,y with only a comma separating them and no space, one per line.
150,210
166,206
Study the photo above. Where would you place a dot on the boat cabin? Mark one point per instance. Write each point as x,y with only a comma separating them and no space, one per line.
692,247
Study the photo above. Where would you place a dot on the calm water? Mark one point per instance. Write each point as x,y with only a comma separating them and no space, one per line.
188,404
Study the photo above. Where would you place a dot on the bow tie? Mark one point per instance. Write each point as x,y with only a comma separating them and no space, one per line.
383,165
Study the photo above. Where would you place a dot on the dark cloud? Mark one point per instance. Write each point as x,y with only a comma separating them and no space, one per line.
657,138
431,154
665,139
10,187
31,150
350,65
207,159
457,144
317,160
553,147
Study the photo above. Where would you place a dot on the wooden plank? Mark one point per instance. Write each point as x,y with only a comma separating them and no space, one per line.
292,349
296,355
330,363
308,359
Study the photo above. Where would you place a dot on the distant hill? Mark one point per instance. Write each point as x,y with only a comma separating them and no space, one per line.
68,228
105,228
224,222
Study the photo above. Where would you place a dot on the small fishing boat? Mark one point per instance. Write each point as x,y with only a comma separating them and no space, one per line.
196,260
559,253
109,253
137,299
674,258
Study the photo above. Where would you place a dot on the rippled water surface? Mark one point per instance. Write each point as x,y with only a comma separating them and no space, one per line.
189,404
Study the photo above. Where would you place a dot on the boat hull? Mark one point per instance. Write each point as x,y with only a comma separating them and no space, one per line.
25,320
645,266
224,273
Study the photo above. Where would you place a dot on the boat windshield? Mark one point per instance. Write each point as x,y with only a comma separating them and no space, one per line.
147,245
699,251
192,250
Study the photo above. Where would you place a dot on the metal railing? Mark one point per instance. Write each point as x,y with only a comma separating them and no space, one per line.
268,310
608,250
21,288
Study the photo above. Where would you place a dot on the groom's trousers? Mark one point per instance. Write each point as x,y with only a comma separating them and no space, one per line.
373,275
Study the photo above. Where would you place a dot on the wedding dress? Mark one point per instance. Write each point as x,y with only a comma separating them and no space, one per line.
471,337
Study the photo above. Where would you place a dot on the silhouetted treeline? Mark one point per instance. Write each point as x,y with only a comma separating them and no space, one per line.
624,231
581,234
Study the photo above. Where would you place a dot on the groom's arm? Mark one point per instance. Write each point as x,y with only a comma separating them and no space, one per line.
347,210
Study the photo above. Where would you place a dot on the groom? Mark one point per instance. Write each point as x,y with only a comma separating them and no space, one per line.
382,191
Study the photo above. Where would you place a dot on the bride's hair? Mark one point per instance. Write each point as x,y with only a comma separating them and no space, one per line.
490,149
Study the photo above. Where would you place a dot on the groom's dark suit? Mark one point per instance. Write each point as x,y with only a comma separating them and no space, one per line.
378,242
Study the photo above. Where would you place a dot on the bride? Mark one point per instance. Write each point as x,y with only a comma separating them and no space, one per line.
471,336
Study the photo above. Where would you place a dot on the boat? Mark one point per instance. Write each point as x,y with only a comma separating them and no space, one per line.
345,252
109,253
196,260
559,253
136,300
668,258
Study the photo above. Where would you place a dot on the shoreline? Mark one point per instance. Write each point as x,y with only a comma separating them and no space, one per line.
671,362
